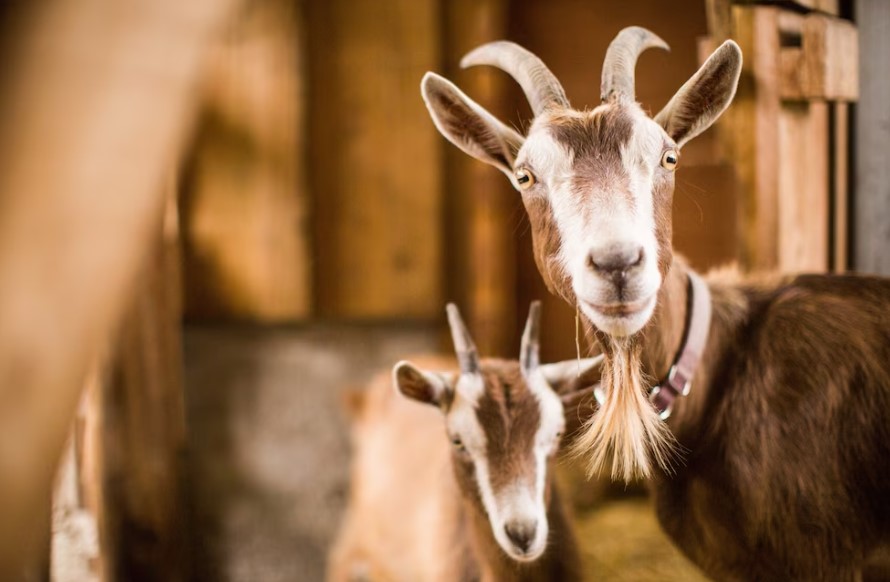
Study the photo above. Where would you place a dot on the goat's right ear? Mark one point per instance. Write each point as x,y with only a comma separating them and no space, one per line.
469,126
420,385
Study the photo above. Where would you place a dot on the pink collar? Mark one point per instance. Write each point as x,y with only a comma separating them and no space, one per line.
698,322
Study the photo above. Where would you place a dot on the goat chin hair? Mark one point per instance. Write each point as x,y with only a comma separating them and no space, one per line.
625,429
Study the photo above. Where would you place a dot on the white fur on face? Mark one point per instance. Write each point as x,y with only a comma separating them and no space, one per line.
600,217
523,500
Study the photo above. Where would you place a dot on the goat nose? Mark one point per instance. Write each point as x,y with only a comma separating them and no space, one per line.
521,533
615,259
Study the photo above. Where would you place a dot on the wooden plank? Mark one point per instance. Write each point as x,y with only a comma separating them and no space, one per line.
375,166
481,206
753,130
143,437
803,204
825,64
97,102
245,201
841,187
872,196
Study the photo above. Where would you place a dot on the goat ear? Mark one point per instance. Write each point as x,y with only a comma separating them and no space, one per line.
574,382
469,126
420,385
704,97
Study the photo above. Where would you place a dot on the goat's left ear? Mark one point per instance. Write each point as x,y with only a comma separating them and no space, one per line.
704,97
420,385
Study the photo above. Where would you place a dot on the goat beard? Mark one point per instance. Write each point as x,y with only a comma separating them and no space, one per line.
626,430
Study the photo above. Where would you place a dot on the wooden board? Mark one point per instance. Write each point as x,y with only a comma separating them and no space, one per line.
753,124
482,209
803,197
245,202
142,435
840,148
374,159
824,66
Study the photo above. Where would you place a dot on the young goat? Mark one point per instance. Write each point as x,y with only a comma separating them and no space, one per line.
475,501
783,466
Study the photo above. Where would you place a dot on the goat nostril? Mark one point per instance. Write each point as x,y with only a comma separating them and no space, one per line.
521,533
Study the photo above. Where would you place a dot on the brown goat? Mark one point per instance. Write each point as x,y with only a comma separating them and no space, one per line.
475,501
776,466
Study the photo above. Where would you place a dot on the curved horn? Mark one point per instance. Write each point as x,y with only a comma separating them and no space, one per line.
467,356
529,352
621,59
540,86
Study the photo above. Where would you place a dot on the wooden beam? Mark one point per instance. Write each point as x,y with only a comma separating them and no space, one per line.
803,197
246,228
840,148
375,159
752,127
96,104
824,66
143,438
480,203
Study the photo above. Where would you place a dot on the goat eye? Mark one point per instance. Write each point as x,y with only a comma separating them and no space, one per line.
669,160
458,444
525,179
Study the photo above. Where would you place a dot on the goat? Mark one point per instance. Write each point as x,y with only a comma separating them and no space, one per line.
776,465
477,504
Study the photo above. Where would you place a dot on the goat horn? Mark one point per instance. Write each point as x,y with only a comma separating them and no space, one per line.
467,356
529,352
540,86
621,59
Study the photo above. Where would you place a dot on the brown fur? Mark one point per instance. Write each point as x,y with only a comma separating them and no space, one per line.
421,518
787,429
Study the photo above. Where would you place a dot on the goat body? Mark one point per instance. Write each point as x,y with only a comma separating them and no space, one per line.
786,433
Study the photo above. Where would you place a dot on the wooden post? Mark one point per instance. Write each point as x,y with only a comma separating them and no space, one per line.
481,206
374,159
245,201
96,104
753,126
142,434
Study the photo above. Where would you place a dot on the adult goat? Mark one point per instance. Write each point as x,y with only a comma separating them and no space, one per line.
775,465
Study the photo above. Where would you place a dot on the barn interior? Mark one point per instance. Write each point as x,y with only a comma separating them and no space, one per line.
220,219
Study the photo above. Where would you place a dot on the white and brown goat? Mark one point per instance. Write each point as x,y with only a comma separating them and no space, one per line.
776,465
475,501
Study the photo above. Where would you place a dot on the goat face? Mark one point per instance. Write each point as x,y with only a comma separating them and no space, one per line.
505,421
597,184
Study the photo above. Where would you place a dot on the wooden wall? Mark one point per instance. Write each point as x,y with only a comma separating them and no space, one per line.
319,188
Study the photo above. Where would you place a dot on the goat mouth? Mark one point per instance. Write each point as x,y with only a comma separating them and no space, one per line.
620,309
524,556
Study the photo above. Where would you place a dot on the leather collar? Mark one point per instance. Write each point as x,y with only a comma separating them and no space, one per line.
678,381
